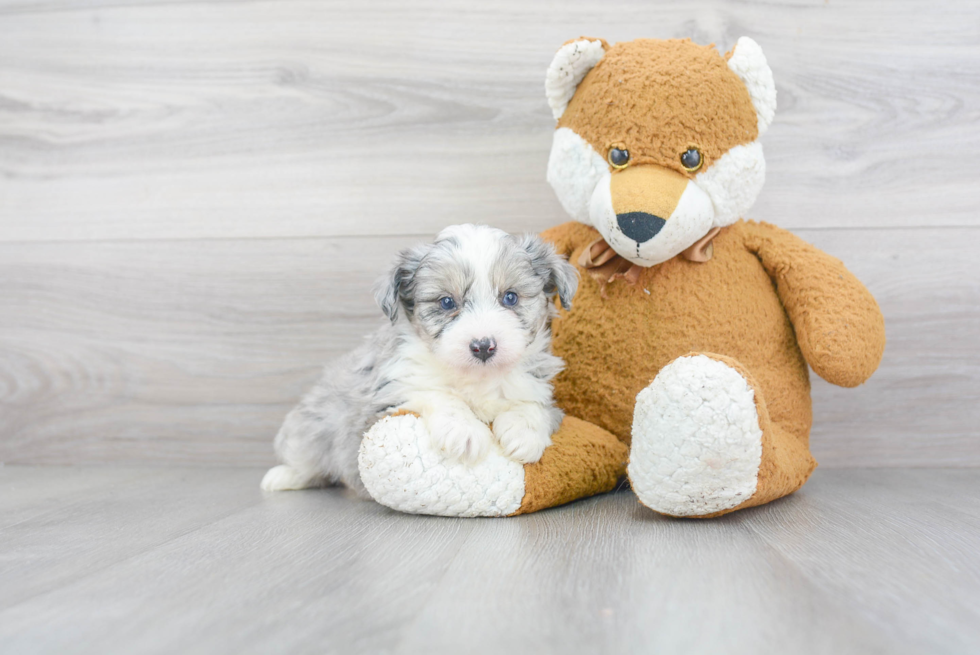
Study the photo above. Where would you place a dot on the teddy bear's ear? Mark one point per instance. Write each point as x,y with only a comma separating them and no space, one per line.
570,65
748,62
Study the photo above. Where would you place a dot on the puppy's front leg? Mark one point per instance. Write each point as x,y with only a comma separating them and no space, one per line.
524,431
455,429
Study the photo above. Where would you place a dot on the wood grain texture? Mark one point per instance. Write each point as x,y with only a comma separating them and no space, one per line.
867,538
183,351
859,561
922,406
193,351
122,120
81,534
196,197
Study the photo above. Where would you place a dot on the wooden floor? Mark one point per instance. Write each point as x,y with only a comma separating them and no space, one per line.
130,560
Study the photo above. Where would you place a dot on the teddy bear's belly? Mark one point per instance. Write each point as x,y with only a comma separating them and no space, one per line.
615,345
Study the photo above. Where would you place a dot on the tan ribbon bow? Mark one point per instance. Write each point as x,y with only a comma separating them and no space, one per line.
605,264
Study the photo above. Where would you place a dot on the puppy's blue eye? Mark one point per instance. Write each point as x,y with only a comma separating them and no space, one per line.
510,299
447,303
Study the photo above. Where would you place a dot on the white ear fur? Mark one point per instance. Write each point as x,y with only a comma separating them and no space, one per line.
748,62
570,65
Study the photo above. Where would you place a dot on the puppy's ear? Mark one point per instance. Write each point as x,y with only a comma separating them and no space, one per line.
395,288
560,277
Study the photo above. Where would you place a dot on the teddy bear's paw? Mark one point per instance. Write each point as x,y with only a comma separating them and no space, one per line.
402,469
697,444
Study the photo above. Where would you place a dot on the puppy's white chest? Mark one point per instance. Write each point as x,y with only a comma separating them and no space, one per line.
486,404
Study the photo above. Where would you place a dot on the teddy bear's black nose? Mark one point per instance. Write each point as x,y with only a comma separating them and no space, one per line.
640,226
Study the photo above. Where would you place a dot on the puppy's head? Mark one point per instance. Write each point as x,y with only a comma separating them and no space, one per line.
478,297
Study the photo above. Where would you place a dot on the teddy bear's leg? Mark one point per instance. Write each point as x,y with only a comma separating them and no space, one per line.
704,445
402,470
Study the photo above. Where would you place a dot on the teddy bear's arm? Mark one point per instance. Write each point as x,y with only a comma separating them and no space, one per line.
567,236
838,324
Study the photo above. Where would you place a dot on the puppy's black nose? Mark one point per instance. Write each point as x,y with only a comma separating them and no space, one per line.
640,226
483,349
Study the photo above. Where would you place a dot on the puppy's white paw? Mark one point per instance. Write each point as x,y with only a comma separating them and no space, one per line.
523,433
284,478
465,438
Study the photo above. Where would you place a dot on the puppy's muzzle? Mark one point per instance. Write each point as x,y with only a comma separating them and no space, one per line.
484,348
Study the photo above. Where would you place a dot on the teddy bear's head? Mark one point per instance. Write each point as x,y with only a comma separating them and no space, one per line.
657,141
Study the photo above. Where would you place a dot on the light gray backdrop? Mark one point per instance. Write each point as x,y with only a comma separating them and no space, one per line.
195,198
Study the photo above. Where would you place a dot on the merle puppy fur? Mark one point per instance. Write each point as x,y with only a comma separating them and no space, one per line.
468,345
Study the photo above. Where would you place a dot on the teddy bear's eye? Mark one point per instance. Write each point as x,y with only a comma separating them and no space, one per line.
691,159
619,158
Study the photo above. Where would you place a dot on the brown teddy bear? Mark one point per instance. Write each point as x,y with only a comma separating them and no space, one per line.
691,332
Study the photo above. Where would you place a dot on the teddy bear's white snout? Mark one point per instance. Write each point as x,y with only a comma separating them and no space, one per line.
717,196
645,238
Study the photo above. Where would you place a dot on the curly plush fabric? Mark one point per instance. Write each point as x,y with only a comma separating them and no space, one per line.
766,303
702,442
583,460
748,62
659,98
739,304
401,470
839,328
571,63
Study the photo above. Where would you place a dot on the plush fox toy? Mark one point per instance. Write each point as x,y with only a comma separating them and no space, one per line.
689,338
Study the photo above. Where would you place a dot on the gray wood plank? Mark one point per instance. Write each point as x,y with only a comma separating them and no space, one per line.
613,577
122,120
922,407
898,547
859,561
192,351
303,572
91,529
185,348
25,494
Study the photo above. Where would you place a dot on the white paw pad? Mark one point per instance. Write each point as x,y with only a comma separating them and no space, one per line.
402,470
696,444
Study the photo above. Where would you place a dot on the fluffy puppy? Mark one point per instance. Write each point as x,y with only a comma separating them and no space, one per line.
468,345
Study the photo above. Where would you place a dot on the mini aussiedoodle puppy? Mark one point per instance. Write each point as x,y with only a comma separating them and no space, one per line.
468,345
